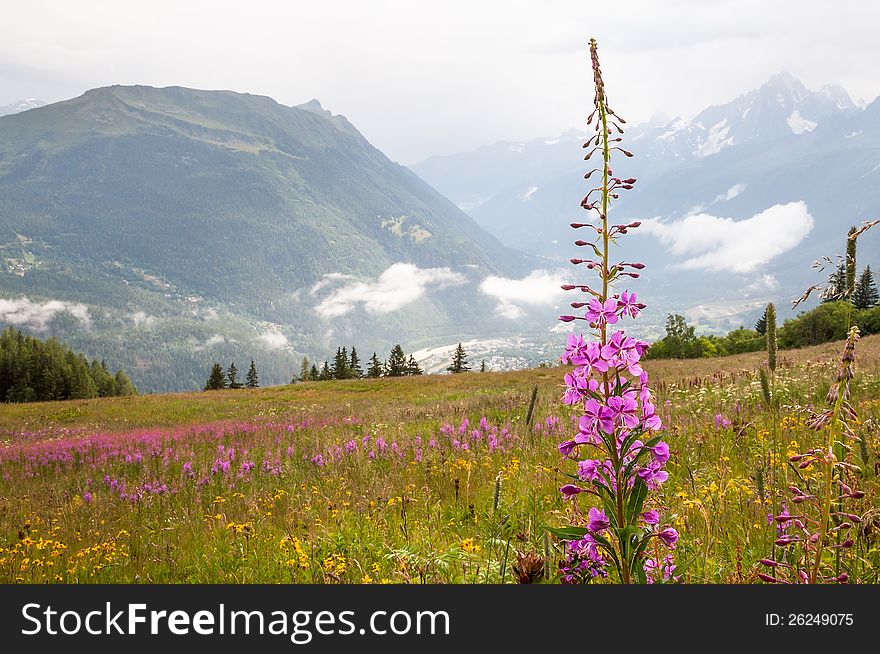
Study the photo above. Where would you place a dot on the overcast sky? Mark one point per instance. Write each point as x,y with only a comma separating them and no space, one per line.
425,77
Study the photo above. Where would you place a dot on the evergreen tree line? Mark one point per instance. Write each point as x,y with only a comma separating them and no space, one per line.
864,295
219,380
349,366
33,370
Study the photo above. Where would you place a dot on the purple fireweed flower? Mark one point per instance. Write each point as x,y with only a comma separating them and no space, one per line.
601,313
570,490
598,521
566,447
588,470
628,304
668,536
87,497
651,517
661,453
574,352
610,387
623,410
721,422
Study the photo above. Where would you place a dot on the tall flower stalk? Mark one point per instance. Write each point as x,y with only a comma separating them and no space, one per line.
820,521
620,456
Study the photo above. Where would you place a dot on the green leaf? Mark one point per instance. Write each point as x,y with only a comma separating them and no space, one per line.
636,500
567,533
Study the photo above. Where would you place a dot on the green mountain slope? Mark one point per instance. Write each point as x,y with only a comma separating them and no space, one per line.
183,217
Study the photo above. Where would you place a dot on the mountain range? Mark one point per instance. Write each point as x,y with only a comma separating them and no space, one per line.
163,229
166,228
745,194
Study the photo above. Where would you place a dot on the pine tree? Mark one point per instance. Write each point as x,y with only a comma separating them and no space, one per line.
865,295
459,361
761,325
483,366
216,379
836,284
123,384
412,366
375,369
304,370
252,380
396,364
340,364
231,376
354,365
326,373
314,375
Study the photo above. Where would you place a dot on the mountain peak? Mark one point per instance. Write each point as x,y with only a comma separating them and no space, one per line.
21,105
784,79
314,105
838,95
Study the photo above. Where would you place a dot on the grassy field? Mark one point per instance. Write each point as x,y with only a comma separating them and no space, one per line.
426,479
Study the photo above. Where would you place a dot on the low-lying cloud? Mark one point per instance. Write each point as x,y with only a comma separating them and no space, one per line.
401,284
539,288
22,312
142,319
739,246
274,340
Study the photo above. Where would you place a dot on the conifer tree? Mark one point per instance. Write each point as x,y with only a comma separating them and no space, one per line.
412,366
459,361
865,295
314,375
340,364
232,377
304,370
374,371
483,366
761,325
326,373
354,365
836,284
123,384
216,379
252,380
396,364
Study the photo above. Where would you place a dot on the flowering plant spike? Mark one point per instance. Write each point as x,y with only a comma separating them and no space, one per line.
619,453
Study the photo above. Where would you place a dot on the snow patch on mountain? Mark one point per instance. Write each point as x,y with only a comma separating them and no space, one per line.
529,192
799,124
716,140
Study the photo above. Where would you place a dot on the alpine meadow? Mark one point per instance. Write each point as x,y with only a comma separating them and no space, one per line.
241,345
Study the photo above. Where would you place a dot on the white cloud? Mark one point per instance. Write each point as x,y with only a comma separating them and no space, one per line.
216,339
731,193
274,340
763,284
399,285
142,319
37,315
539,288
740,246
327,280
